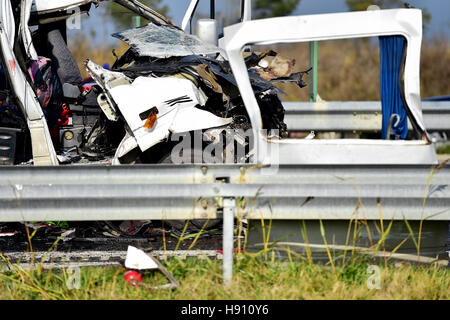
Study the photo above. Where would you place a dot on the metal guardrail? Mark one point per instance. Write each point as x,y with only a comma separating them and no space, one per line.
181,192
356,116
224,191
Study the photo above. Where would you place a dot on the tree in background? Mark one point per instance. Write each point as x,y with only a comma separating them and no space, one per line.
274,8
125,18
361,5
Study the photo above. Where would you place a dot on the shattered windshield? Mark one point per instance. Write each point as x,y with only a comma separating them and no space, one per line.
164,41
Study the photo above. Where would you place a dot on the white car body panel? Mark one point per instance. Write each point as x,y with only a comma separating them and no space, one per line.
7,21
176,117
405,22
47,6
42,145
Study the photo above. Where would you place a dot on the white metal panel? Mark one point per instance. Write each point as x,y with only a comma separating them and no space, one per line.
43,149
192,119
247,14
25,30
7,21
145,93
352,152
163,93
45,6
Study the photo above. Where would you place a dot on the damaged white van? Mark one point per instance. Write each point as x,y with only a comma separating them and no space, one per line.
170,85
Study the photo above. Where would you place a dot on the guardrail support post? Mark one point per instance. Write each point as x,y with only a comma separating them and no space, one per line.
229,205
314,64
137,21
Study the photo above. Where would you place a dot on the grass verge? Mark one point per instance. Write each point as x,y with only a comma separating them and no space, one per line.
253,279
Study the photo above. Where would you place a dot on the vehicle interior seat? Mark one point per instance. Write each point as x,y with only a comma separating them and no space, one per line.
52,43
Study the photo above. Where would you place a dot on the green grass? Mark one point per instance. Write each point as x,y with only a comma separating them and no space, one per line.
253,279
445,149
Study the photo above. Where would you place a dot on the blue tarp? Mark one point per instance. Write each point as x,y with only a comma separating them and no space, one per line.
391,59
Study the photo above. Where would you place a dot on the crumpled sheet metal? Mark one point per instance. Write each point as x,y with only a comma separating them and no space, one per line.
164,42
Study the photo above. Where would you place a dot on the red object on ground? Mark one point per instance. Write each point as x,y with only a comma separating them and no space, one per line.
133,277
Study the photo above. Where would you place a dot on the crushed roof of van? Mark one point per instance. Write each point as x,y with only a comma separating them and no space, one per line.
161,41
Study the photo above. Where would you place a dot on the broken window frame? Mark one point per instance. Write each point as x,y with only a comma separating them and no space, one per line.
295,29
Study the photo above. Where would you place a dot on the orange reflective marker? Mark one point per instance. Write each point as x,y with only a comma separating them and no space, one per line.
151,119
